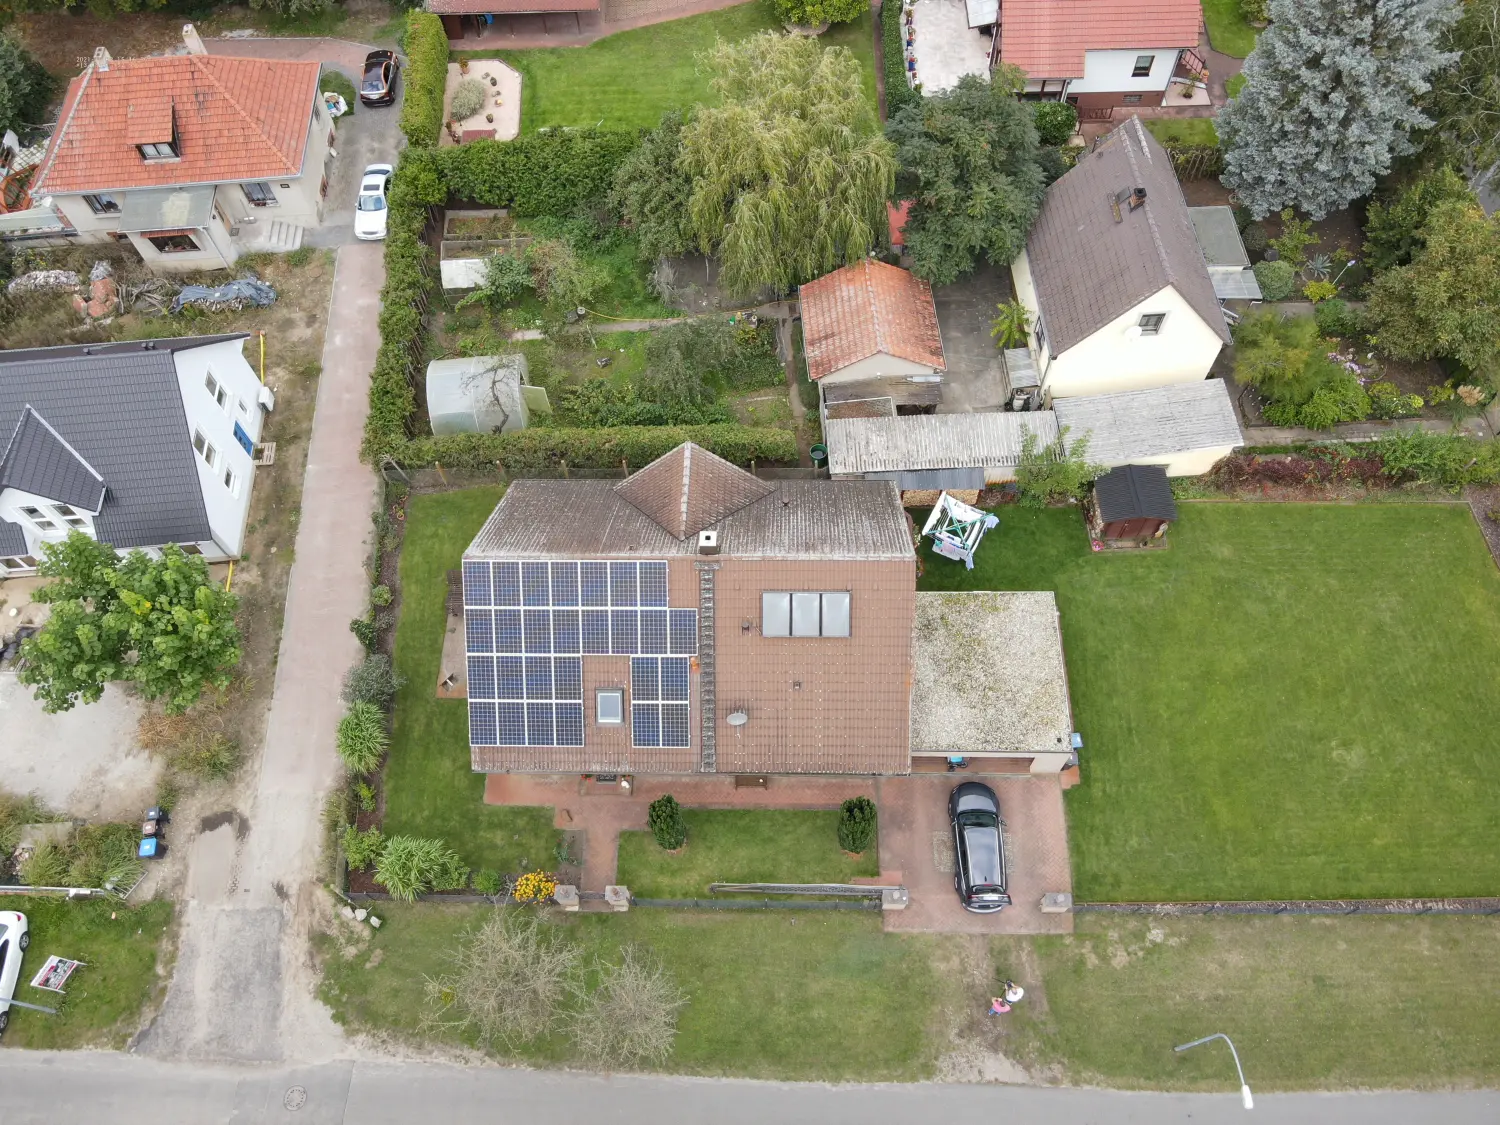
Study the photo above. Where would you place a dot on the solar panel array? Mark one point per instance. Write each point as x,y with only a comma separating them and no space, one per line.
527,626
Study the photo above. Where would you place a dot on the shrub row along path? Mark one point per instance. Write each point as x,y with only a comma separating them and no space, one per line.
243,986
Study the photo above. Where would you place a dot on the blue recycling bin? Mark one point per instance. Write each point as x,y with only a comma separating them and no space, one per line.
148,848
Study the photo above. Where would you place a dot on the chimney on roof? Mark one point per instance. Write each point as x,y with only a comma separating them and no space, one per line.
192,40
101,59
708,542
1138,198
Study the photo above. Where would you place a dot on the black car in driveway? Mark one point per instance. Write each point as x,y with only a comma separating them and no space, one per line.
979,846
378,85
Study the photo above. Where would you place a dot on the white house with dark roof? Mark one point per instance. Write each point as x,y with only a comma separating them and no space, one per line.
137,444
1114,278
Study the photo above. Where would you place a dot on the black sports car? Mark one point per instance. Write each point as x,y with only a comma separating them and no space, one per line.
378,86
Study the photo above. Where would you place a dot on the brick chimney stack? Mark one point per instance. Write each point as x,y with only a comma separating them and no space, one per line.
101,59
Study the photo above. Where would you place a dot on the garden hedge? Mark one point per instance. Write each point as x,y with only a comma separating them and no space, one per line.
550,173
892,45
543,450
426,75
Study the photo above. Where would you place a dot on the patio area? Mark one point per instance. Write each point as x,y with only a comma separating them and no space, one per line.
502,103
946,47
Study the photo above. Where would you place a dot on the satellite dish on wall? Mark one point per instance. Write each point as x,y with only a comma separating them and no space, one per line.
737,719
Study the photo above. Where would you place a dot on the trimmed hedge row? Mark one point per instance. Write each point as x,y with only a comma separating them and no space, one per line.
542,451
892,45
426,75
551,173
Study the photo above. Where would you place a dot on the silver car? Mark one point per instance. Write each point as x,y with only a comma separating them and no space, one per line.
15,936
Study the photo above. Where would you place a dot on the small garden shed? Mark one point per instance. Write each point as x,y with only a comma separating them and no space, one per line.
1133,502
478,395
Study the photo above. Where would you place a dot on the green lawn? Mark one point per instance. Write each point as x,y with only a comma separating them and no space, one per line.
815,995
1311,1003
1227,29
1184,130
429,787
103,1003
741,846
1293,701
631,78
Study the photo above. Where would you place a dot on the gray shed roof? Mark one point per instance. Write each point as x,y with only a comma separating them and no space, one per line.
39,461
167,209
821,519
1219,237
1154,423
1130,492
1089,268
119,407
932,441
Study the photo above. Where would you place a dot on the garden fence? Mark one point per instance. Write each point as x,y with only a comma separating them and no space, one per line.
758,903
439,479
1390,906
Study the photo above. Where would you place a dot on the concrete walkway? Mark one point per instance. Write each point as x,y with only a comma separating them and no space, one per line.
243,988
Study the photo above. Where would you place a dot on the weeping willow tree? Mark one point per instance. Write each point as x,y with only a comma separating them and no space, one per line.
790,173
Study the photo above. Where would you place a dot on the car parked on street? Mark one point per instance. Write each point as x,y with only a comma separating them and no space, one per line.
15,936
979,848
378,84
370,206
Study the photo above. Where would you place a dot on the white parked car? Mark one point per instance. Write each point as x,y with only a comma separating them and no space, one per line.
14,938
370,208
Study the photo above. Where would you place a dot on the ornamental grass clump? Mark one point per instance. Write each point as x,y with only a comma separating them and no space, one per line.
468,99
362,737
410,866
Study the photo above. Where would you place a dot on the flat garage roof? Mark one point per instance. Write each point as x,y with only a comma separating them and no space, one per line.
988,674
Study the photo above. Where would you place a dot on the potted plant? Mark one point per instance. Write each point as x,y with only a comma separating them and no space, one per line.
490,117
463,66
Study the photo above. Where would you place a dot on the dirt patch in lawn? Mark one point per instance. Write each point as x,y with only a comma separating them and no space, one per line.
1485,504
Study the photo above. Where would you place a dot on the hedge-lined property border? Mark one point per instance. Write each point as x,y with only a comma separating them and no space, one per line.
557,172
897,93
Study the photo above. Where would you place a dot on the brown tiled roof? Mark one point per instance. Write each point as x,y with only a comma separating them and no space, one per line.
236,119
508,7
883,407
1047,38
1088,269
690,488
868,309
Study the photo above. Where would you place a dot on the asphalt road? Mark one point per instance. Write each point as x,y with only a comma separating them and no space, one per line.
61,1088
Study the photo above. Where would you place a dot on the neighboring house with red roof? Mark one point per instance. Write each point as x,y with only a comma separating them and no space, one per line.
870,332
193,158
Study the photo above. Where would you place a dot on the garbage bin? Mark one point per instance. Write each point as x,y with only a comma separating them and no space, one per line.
819,454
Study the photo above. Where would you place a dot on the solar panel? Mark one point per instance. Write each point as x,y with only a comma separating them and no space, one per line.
482,677
564,583
624,631
482,728
565,630
535,588
622,585
538,677
538,630
595,582
570,724
508,630
512,725
539,726
674,679
507,579
645,678
596,631
567,677
653,583
477,583
510,680
645,724
479,630
684,632
674,725
653,631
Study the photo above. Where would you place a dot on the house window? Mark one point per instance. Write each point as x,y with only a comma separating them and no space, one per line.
1041,337
39,519
173,242
19,562
70,517
217,391
231,482
204,448
190,548
102,204
244,408
1143,65
609,707
165,150
804,614
1150,323
1131,99
260,195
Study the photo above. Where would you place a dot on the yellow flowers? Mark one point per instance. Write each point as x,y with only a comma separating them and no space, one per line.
535,886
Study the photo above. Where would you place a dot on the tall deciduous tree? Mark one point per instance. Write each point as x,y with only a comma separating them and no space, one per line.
969,164
1447,301
1465,99
161,624
651,192
25,86
790,173
1330,97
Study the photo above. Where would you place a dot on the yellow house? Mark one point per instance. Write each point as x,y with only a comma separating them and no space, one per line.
1114,279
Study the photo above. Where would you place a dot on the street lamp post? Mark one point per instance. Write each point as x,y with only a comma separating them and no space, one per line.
1244,1086
1343,271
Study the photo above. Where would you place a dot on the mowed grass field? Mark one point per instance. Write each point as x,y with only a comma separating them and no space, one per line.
1292,701
429,788
629,79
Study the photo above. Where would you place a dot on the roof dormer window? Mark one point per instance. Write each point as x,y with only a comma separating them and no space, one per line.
153,129
164,150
